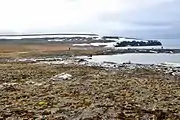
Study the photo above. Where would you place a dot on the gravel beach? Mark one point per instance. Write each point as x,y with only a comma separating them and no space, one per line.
37,90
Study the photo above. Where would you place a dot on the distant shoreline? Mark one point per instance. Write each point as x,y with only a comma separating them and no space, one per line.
39,34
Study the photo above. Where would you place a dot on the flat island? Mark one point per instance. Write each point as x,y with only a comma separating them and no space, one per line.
139,43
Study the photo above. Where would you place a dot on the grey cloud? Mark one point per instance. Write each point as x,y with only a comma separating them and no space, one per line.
157,21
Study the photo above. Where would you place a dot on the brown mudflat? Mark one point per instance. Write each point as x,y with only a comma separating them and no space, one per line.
38,50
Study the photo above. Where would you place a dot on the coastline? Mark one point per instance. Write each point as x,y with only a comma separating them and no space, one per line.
77,89
51,82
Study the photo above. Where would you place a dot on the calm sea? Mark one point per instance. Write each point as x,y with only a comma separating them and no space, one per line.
171,43
145,58
142,58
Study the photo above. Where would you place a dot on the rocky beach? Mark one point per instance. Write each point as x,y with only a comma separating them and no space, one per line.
73,88
89,60
58,81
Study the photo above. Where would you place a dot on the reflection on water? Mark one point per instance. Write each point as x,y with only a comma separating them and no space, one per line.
147,58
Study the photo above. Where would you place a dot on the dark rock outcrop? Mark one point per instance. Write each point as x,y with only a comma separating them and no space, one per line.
138,43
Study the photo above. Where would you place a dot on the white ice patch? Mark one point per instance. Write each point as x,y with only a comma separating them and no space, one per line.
62,76
109,44
55,40
84,44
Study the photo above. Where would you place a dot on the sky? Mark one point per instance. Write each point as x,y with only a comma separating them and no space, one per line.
133,18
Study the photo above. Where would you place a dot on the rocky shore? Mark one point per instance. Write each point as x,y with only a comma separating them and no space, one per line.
134,50
72,88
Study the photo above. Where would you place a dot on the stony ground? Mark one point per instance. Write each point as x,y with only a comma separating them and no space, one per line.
92,93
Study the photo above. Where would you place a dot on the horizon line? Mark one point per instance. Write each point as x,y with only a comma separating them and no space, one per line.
42,34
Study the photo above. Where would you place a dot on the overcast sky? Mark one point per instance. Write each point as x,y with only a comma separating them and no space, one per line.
138,18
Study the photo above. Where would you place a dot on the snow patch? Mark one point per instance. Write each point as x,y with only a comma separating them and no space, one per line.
62,76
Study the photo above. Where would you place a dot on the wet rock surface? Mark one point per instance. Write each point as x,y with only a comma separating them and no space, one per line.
126,91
